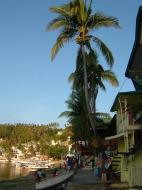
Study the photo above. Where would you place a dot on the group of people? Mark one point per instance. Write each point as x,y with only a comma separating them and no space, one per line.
103,167
71,163
39,175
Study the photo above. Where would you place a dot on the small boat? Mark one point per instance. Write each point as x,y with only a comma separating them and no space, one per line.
40,165
53,182
37,166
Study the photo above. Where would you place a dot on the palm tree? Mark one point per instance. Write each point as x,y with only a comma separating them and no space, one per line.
96,75
76,21
78,117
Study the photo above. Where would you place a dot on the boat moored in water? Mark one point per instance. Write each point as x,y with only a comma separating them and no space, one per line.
52,183
33,164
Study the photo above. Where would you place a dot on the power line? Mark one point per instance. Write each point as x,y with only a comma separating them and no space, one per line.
122,84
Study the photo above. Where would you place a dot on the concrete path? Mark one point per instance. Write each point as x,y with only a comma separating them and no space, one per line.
85,179
86,175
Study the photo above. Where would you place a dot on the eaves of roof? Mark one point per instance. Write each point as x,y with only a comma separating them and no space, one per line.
137,44
133,96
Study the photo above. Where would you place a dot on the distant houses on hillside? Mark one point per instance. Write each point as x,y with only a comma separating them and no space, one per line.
30,149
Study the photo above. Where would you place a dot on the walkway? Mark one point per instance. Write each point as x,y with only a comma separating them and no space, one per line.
85,179
86,175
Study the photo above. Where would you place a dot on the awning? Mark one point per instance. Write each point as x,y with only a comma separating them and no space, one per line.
115,136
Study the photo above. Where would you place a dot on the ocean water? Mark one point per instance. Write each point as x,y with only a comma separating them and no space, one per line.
10,171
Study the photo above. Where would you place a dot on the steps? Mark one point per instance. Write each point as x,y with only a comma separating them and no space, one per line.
116,161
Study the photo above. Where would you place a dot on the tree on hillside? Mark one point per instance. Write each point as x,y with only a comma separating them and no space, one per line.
27,138
77,21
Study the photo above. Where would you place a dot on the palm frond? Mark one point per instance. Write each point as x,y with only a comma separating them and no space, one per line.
110,77
64,37
105,51
57,23
61,10
82,10
64,114
92,56
89,8
99,20
71,77
59,44
99,84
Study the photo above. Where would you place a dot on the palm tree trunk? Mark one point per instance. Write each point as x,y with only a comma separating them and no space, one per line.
94,108
94,115
86,91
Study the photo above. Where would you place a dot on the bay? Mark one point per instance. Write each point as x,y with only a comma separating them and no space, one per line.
9,170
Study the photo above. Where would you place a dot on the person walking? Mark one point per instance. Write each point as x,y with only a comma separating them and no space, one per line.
69,163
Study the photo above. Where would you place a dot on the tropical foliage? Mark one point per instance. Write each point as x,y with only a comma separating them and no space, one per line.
38,138
96,77
78,118
77,21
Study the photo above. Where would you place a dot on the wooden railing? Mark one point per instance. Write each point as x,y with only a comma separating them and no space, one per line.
136,175
124,123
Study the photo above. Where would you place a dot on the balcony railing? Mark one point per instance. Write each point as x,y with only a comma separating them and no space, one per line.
126,122
136,175
122,123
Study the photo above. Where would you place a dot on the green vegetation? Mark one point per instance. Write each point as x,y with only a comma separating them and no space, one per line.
96,78
38,138
77,22
78,118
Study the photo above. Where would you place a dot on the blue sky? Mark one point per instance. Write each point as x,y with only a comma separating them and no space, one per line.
32,88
